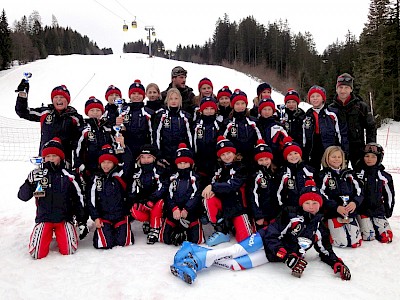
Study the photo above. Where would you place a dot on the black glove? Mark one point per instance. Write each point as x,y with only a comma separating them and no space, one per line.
296,263
83,230
35,176
23,86
342,269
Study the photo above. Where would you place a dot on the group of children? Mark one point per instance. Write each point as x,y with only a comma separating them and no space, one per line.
240,170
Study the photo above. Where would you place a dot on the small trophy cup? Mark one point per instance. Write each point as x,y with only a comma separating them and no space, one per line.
27,75
345,200
282,117
119,103
38,161
119,149
304,244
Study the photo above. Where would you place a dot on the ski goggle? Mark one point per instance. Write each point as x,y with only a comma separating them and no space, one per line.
372,149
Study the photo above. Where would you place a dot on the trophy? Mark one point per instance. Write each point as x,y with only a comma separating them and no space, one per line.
27,75
345,200
281,108
119,148
305,244
119,103
38,161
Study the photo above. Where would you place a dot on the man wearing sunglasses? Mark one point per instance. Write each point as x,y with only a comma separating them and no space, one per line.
360,121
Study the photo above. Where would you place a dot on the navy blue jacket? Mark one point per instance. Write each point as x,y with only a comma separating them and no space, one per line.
333,132
285,231
107,192
66,124
226,185
293,123
184,193
63,197
138,127
171,127
261,194
334,184
378,191
149,184
205,134
94,136
291,180
243,133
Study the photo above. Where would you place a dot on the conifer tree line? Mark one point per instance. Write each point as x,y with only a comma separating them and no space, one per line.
28,40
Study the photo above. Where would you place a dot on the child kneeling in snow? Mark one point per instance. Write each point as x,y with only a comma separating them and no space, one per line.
60,201
285,240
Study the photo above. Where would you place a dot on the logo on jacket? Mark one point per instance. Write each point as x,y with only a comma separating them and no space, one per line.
91,136
167,123
263,183
233,131
200,133
307,123
290,184
287,126
44,182
296,227
99,185
332,184
49,119
126,118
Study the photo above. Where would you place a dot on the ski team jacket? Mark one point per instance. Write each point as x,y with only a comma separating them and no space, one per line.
293,123
285,231
66,124
94,136
138,127
187,94
107,192
378,192
291,180
333,132
261,191
184,193
149,184
243,133
226,185
336,184
63,197
205,134
171,128
358,117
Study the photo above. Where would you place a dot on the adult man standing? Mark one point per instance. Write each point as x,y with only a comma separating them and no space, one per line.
178,80
360,121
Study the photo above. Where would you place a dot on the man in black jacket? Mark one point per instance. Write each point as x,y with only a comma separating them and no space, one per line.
178,80
357,114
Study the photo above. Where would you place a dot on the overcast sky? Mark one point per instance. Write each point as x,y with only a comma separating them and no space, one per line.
193,22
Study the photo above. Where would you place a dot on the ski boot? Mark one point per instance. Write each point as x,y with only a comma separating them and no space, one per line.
188,249
184,272
146,227
153,235
217,238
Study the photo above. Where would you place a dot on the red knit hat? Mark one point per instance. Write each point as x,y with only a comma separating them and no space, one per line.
289,146
316,89
107,153
266,102
205,80
237,96
184,154
224,145
208,102
61,91
54,146
137,87
93,103
262,150
225,91
292,95
111,90
310,192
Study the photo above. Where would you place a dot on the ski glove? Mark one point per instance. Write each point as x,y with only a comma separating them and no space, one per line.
296,263
83,230
35,176
23,86
342,269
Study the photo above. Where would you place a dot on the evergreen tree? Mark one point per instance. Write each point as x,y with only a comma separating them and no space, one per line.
5,42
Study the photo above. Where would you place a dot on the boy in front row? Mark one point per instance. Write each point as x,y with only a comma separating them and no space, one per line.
56,209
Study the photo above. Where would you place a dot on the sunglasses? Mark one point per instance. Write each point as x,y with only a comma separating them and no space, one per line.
345,79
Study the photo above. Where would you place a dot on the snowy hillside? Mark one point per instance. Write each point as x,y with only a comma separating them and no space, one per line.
142,271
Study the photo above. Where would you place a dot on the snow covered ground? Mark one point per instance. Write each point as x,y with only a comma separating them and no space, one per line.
142,271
